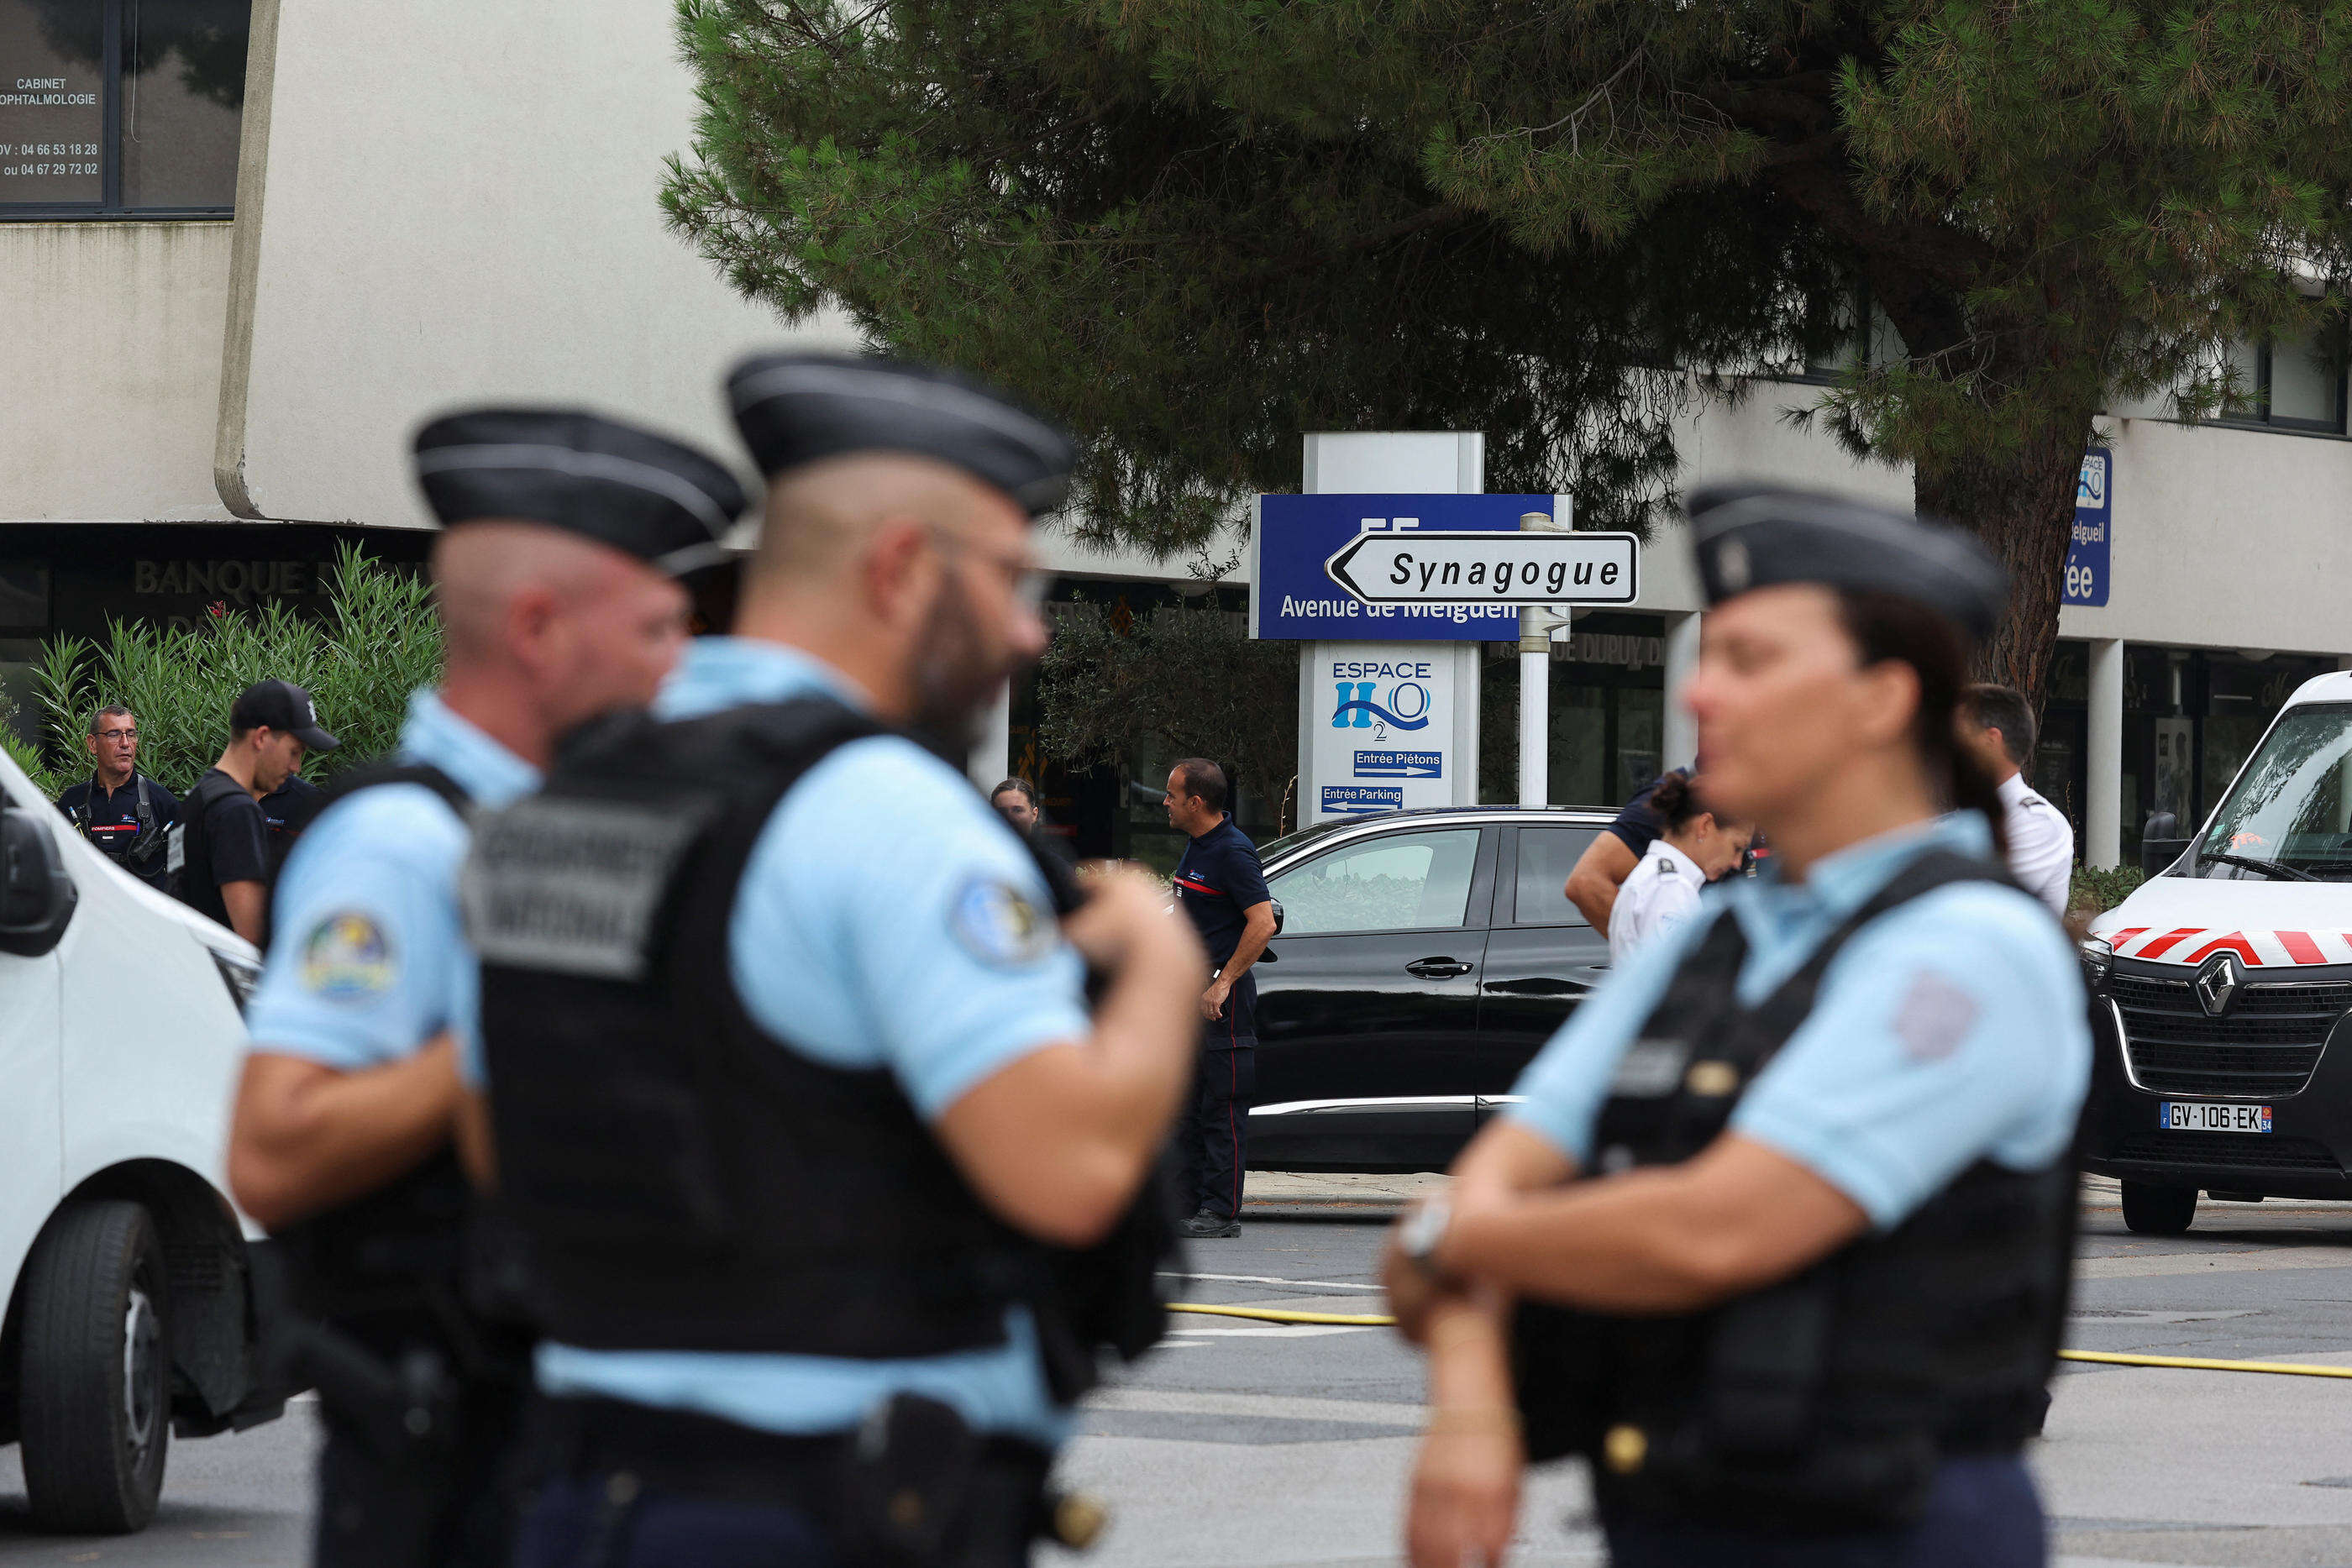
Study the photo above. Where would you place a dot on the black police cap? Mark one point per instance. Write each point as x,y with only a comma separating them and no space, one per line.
660,500
795,409
1751,536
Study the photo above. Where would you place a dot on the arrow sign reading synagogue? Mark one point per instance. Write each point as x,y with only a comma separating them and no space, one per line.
1369,582
1402,566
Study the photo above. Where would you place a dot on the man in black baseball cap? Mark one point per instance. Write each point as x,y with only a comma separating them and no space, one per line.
556,582
220,849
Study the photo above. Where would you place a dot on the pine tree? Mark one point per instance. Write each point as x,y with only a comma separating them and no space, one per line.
1194,228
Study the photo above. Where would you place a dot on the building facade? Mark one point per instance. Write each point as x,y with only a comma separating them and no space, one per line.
247,246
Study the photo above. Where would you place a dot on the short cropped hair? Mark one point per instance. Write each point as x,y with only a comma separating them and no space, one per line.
1022,787
2005,709
1204,780
98,720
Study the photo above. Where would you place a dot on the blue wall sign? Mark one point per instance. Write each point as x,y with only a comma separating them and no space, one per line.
2095,529
1292,598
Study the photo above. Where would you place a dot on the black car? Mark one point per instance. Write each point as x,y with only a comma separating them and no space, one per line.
1424,957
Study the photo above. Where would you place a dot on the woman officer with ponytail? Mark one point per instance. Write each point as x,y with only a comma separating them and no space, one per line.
1778,1236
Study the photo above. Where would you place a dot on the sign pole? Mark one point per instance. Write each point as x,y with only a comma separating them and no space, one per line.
1534,686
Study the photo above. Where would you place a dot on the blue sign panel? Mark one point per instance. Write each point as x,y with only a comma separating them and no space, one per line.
1292,598
2086,552
1361,799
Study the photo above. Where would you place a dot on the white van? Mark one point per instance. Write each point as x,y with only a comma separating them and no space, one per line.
2221,986
125,1266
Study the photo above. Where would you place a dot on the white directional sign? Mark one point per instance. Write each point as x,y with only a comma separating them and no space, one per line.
1404,566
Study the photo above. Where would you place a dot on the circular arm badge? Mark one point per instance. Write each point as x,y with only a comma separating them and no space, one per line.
1000,925
347,958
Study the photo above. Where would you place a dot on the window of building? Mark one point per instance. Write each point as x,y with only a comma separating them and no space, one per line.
116,107
2289,383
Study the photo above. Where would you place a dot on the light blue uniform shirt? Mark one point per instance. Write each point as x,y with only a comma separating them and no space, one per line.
368,959
1949,1031
885,918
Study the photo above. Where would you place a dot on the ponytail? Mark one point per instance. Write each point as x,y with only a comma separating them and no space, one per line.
1674,800
1884,626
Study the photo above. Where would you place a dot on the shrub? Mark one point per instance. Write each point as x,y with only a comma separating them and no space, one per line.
2096,891
378,641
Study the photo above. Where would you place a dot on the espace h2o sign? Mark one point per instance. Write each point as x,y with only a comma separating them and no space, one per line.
1381,726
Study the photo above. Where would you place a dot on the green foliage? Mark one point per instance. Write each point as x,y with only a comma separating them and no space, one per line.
379,641
2096,891
1186,680
1194,228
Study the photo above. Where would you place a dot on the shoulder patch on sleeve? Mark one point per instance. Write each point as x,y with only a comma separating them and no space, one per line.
998,923
1935,1015
348,957
1666,866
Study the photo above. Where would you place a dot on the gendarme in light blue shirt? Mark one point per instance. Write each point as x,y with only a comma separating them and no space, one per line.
852,938
368,959
1948,1030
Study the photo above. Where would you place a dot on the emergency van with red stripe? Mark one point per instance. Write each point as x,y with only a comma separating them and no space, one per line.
2220,990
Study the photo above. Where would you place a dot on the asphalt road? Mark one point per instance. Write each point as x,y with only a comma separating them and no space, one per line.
1248,1444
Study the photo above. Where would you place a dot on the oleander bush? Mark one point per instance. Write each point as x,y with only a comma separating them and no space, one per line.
377,642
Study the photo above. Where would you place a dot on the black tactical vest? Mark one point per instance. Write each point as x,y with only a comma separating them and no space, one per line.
403,1264
1825,1402
683,1180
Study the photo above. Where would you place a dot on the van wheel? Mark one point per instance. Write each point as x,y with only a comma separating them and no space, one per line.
2152,1210
95,1413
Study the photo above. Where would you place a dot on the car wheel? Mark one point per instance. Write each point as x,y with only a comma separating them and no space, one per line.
2152,1210
94,1411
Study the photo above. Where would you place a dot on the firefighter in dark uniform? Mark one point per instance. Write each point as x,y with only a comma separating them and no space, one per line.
125,814
555,584
820,1155
1787,1206
1221,886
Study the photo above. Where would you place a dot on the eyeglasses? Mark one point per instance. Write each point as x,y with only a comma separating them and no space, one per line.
1024,576
118,735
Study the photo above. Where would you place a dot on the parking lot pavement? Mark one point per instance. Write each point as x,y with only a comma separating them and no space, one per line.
1249,1445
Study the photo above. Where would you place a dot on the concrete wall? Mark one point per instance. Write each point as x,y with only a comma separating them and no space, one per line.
458,203
113,335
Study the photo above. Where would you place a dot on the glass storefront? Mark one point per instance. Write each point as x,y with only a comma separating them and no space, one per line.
2191,717
1608,713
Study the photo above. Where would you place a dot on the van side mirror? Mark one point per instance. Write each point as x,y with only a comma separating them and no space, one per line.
36,895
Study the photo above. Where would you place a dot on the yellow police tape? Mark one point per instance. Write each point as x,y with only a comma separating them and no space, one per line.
2190,1362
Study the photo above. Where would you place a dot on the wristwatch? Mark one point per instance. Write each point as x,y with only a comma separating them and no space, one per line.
1422,1232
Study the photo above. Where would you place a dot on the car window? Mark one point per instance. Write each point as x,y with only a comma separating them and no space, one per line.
1400,881
1545,857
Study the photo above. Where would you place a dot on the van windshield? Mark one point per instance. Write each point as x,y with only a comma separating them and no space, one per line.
2289,817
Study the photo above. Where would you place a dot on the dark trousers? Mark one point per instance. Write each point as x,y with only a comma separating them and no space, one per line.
421,1508
593,1522
1983,1513
1214,1132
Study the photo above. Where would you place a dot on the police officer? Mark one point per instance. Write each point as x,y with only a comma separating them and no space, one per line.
125,814
1787,1202
555,584
1996,724
797,1098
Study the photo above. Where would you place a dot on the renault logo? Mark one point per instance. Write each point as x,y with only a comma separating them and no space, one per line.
2217,984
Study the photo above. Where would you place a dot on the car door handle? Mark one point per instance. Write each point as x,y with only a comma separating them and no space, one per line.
1438,968
1544,986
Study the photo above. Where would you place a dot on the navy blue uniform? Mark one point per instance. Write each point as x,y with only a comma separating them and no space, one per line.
110,819
286,811
1637,826
1218,881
